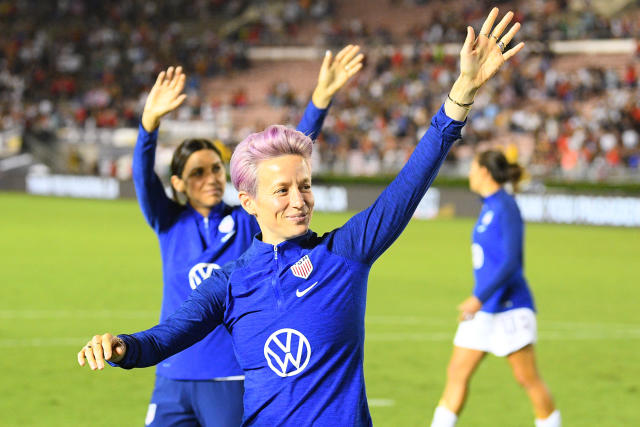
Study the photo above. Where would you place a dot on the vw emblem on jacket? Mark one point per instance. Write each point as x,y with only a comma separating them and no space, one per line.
200,272
287,352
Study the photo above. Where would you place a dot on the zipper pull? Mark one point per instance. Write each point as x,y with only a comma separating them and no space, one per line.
275,251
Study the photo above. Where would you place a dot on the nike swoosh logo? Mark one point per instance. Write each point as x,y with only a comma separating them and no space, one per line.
300,293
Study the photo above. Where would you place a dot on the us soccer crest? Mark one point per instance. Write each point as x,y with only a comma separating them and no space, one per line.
302,268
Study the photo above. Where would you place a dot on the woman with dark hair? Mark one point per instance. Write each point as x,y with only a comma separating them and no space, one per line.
499,317
294,302
203,385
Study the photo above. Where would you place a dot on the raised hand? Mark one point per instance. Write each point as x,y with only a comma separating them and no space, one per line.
101,348
480,58
165,96
335,72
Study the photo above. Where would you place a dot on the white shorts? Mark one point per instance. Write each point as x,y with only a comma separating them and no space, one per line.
498,333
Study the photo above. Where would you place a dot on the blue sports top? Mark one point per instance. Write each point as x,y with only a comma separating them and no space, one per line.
295,310
192,246
497,254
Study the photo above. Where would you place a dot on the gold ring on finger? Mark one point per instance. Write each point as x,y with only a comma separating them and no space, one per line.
494,37
501,45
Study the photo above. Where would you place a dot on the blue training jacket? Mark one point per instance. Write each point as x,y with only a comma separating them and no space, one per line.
192,246
497,254
295,310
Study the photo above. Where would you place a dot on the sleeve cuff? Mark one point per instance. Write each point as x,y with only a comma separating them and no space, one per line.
131,356
145,134
323,110
447,125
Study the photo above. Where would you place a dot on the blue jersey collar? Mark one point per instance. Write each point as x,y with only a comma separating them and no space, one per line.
259,247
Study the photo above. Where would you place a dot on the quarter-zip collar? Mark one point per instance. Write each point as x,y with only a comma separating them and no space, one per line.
260,248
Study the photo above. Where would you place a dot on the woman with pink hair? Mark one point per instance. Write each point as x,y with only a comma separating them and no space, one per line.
294,302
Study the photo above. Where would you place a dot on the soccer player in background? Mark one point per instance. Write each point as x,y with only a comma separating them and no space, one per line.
499,317
294,303
203,385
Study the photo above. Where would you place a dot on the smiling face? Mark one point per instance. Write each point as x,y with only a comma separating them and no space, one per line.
203,180
283,203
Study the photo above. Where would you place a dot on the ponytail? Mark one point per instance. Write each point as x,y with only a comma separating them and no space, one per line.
499,167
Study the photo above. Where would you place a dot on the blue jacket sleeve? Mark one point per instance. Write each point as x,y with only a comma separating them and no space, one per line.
157,208
368,234
198,315
312,120
510,245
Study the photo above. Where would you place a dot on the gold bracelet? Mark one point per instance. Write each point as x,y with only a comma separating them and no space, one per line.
460,104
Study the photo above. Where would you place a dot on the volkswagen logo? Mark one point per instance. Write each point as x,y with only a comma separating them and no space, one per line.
201,272
287,352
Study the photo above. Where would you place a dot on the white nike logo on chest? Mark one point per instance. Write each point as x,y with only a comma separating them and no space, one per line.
300,293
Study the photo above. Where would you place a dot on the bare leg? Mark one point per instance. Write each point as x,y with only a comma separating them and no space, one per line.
523,363
462,365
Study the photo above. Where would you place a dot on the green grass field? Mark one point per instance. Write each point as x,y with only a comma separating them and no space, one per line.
73,268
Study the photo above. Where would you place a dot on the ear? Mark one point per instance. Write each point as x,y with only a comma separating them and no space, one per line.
247,202
177,184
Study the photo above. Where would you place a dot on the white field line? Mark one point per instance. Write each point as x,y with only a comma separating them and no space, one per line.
548,330
411,337
369,320
77,314
376,402
43,342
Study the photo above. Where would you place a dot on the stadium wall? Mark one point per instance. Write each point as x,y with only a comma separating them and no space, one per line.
553,206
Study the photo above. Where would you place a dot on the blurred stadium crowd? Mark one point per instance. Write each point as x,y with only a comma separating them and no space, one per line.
88,64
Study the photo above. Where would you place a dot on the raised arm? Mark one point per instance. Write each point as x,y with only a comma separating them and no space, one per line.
368,234
164,97
334,73
198,315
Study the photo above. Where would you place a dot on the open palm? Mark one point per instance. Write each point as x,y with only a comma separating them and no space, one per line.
165,96
335,72
482,57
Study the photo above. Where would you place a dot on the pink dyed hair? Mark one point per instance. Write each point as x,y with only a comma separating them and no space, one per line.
274,141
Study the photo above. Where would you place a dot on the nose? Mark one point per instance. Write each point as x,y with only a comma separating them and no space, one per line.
295,198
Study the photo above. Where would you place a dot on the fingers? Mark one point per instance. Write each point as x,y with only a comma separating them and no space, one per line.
497,31
349,55
81,357
87,352
106,346
169,74
468,42
488,23
177,77
354,62
160,78
343,52
95,350
326,61
512,32
465,315
178,101
352,71
517,48
98,354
